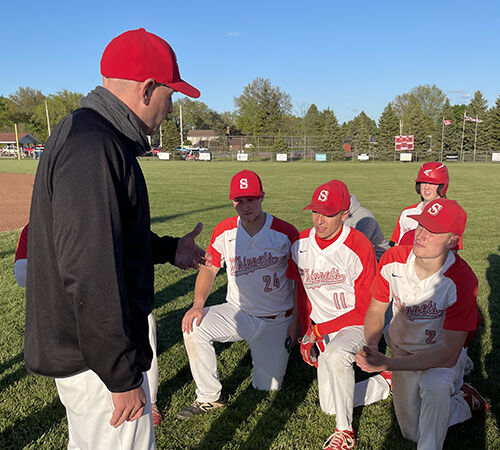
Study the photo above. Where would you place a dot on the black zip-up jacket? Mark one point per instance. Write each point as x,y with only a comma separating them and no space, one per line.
91,251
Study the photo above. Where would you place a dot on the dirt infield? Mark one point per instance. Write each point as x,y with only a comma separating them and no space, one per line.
15,197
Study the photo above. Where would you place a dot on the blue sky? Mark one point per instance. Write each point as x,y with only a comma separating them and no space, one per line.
349,56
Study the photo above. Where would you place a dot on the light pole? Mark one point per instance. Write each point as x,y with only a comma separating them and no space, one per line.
430,144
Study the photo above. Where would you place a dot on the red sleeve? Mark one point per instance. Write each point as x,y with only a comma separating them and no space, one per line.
396,232
463,315
358,243
292,270
226,224
22,245
285,228
303,307
408,238
380,289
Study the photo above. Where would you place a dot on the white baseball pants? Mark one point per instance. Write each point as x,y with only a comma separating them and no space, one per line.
338,392
153,370
427,402
227,323
89,408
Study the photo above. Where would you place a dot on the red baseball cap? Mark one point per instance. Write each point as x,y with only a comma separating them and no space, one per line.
442,216
138,55
330,198
245,184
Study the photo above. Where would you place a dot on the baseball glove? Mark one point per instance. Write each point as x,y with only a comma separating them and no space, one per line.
310,350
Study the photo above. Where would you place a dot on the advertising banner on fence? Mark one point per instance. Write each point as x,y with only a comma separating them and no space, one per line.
495,157
204,157
242,157
281,157
163,155
320,156
405,157
404,143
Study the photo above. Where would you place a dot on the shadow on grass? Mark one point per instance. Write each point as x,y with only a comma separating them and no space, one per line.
161,219
12,361
7,253
26,431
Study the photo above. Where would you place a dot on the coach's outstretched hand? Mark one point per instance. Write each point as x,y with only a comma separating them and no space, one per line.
188,254
128,406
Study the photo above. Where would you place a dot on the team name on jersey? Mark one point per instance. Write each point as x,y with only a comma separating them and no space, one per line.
315,278
418,312
245,265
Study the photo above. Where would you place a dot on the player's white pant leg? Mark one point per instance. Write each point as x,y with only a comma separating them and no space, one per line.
220,323
336,374
371,390
269,355
459,409
89,408
153,371
406,401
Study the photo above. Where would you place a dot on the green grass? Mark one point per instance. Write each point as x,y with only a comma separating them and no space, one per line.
183,193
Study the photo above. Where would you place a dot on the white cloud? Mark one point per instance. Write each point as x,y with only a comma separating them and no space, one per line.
233,33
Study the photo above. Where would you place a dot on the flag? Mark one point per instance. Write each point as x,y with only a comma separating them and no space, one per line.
479,120
469,118
448,122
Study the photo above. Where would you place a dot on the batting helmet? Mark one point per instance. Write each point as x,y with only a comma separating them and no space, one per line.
434,173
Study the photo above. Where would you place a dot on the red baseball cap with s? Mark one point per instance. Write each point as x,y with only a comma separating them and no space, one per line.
442,216
138,55
245,184
330,198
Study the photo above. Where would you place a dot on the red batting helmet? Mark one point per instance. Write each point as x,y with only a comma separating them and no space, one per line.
434,173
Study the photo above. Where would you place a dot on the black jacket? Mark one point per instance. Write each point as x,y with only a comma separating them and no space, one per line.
91,251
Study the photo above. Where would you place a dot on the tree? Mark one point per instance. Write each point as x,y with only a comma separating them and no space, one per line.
331,140
420,125
429,97
361,129
451,134
261,108
388,128
171,136
478,107
494,126
197,115
23,103
6,123
59,106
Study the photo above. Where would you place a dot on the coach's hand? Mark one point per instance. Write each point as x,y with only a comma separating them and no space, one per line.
128,406
191,315
371,360
188,254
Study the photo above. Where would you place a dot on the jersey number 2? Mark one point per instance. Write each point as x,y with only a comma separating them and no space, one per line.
268,280
431,334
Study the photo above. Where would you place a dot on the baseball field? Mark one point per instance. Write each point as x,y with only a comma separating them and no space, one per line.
184,193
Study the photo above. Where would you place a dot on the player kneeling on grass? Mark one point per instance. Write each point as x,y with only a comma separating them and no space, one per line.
435,315
334,265
255,246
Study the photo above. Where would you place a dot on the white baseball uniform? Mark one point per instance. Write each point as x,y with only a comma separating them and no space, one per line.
405,223
258,309
427,401
336,276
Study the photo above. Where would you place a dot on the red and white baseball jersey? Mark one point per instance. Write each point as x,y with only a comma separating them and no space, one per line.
336,278
406,224
256,265
422,309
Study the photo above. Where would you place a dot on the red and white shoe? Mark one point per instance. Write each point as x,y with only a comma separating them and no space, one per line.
340,440
473,398
157,415
387,376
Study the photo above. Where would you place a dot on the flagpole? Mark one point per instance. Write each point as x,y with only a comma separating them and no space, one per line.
442,142
475,139
47,114
462,144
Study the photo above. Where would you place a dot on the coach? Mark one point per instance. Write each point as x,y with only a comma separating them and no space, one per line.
91,250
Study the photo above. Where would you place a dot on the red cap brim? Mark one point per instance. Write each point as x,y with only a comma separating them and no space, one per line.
428,223
184,88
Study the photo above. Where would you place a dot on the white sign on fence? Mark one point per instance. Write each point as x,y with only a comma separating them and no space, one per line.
364,157
405,157
242,157
281,157
495,157
163,155
204,156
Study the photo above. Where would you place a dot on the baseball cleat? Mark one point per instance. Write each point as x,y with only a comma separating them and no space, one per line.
340,440
157,415
199,408
473,398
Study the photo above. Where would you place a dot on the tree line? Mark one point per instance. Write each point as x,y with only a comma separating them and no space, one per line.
265,110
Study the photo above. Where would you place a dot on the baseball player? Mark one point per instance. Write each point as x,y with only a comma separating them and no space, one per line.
435,315
20,261
363,220
335,264
255,247
431,183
